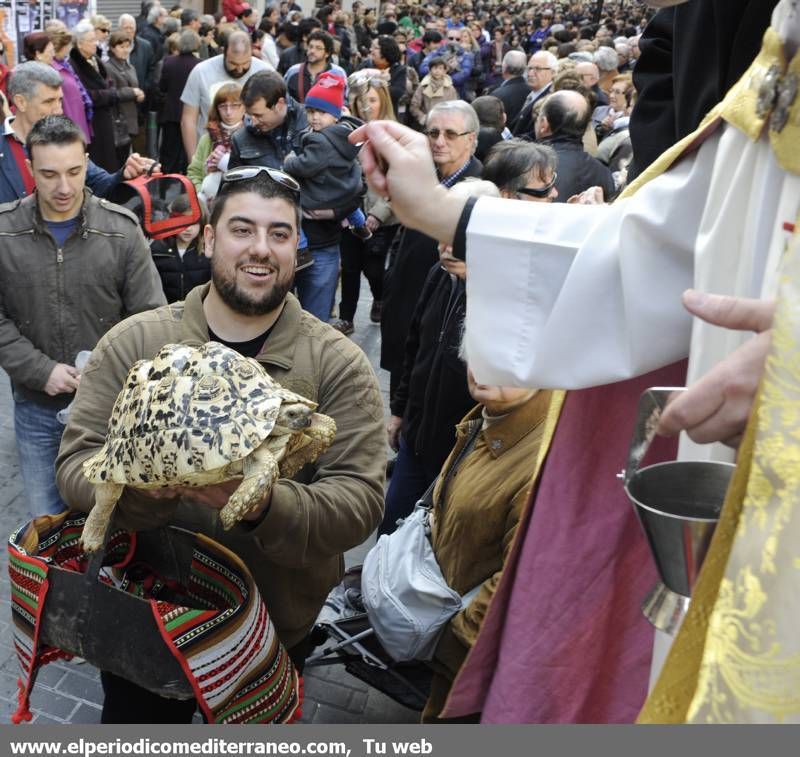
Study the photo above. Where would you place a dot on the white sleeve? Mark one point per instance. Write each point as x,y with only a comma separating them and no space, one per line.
191,90
572,296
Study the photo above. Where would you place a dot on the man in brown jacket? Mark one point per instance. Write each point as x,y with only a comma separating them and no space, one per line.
294,543
71,266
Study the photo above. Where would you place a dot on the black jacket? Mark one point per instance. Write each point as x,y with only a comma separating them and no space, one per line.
156,39
676,47
174,73
577,170
179,275
432,396
513,93
523,126
104,102
327,167
411,256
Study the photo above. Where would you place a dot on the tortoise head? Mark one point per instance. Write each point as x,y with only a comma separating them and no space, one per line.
295,416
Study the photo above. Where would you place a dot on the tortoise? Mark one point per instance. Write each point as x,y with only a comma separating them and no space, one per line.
194,416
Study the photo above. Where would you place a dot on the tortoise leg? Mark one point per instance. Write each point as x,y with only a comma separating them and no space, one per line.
94,530
260,473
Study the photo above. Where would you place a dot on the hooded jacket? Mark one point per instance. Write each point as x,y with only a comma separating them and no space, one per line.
326,166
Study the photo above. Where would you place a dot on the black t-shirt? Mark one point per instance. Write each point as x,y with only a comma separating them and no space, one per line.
250,348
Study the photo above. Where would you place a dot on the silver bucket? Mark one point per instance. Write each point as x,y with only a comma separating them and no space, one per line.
678,505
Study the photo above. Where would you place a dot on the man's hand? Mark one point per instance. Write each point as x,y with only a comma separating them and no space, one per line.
139,94
393,427
136,165
398,164
215,496
373,224
717,407
64,379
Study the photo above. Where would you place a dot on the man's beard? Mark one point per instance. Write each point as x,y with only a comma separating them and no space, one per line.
240,302
235,74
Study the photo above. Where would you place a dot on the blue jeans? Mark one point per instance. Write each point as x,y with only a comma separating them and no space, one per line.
316,285
409,482
38,433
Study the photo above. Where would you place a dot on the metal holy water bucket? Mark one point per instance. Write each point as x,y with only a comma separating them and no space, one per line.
678,504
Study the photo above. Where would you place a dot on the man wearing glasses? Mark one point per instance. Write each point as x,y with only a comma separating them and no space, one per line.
293,544
452,129
542,68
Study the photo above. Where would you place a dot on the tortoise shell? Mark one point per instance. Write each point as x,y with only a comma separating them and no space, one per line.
187,411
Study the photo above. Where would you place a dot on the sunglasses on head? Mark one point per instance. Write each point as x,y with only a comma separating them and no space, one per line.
245,173
542,193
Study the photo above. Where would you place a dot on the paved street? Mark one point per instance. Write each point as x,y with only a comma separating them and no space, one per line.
71,693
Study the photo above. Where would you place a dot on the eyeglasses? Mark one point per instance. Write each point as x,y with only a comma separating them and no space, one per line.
539,68
230,105
453,39
448,134
542,193
245,173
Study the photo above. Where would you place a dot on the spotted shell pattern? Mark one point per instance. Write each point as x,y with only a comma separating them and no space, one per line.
186,411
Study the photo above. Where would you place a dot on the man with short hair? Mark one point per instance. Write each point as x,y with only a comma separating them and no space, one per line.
515,88
427,380
34,90
142,57
190,19
236,65
542,69
293,542
153,30
590,76
297,53
301,77
71,266
561,124
452,129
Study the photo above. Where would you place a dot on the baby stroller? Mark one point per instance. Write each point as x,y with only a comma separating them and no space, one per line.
346,637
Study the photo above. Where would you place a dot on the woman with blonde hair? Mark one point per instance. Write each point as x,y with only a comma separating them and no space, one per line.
210,160
369,101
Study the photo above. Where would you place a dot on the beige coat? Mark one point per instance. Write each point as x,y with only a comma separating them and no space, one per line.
475,524
295,551
428,95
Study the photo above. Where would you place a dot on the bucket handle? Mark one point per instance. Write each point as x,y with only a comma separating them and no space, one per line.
651,405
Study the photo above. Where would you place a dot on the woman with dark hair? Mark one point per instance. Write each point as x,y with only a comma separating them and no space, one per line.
385,55
92,73
77,102
123,75
38,46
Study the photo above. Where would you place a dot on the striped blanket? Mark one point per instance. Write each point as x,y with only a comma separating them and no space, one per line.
220,632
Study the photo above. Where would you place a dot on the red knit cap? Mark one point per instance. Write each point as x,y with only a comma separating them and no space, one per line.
327,94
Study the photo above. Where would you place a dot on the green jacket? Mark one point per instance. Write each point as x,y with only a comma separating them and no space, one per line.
196,171
296,551
56,302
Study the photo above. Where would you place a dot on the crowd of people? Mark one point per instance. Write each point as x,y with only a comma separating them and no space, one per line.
491,127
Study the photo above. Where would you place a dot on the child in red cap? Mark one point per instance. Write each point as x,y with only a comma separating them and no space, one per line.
326,164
